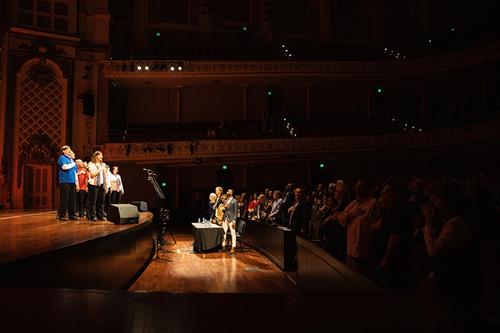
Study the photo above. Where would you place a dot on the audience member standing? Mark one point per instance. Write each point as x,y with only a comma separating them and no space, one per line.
390,247
288,200
242,206
448,239
300,213
68,184
276,207
358,218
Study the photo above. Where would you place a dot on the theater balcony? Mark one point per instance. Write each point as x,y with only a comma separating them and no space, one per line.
472,137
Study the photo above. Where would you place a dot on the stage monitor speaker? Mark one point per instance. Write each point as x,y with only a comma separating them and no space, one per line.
123,214
141,205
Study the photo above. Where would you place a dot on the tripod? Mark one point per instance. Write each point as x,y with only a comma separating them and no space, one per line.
163,217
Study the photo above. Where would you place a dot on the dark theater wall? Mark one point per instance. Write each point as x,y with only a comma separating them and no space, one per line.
257,102
200,104
260,176
151,105
294,99
337,99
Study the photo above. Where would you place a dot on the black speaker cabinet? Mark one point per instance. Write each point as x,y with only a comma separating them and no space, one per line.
141,205
123,214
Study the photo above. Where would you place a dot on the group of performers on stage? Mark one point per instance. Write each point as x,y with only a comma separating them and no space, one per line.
224,212
86,188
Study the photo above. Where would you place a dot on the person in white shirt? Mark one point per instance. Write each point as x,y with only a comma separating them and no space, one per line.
116,183
358,218
97,191
276,207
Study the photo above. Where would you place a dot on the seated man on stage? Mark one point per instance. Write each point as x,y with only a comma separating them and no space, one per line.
230,214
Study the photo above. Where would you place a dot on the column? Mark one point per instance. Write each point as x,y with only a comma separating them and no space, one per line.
245,177
309,174
376,22
369,96
101,113
177,177
484,96
178,104
205,18
245,101
421,100
267,17
308,101
325,18
3,99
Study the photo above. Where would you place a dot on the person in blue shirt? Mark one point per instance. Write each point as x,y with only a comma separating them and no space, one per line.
68,183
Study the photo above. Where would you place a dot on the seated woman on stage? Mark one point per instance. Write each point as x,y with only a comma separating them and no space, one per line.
219,211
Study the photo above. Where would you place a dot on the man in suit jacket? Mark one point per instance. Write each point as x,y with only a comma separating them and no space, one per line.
230,214
300,213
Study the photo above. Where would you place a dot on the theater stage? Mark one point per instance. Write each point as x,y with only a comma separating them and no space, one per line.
187,291
36,250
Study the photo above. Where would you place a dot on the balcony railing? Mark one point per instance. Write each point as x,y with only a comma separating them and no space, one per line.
181,152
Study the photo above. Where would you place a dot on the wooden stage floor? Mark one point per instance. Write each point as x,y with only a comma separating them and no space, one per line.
185,271
24,233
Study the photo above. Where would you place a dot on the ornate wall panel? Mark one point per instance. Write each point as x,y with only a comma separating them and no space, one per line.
40,118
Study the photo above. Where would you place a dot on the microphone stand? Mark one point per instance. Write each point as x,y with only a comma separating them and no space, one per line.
163,217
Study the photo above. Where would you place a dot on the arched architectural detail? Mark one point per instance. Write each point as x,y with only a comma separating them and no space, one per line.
40,118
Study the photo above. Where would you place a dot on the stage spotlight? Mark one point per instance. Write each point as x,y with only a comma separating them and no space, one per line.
146,68
172,68
139,68
179,68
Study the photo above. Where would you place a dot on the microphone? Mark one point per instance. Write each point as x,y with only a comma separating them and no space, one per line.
149,171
